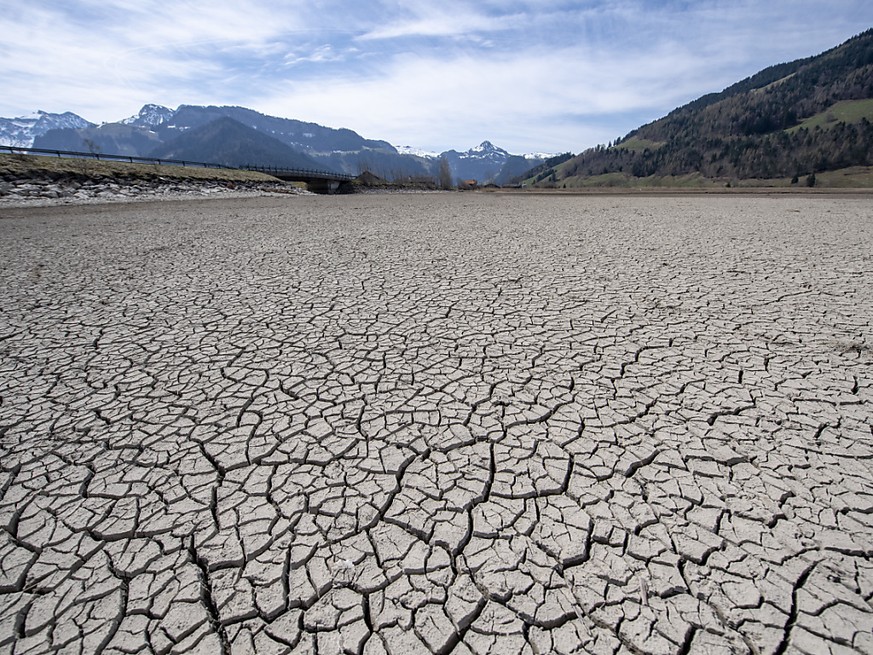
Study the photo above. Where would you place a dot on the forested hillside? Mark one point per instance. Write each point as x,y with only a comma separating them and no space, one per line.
789,120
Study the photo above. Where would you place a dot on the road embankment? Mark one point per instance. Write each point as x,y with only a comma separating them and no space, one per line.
29,180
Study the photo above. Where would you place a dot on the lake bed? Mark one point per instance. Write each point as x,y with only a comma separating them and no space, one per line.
454,422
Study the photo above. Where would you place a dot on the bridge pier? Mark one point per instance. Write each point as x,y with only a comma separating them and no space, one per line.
329,186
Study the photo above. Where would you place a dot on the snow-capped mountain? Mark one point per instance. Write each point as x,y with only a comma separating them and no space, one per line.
483,163
485,150
155,128
150,116
22,131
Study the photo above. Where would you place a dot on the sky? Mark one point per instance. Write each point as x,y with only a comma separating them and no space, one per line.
528,75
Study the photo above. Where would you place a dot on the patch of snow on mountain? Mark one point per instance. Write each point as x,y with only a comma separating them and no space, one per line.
540,155
416,152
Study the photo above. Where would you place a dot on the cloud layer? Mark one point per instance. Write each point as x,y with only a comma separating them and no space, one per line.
525,74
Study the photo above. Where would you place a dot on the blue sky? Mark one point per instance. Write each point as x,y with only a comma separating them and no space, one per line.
528,75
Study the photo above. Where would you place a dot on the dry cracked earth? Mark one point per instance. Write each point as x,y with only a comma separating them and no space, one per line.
452,423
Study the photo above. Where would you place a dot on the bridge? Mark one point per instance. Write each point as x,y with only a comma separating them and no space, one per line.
317,181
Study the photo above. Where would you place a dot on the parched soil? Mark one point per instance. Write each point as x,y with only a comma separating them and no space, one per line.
446,423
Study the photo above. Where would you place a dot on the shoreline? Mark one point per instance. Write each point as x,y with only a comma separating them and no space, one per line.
68,192
175,190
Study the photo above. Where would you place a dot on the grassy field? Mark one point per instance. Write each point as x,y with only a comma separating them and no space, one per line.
624,181
559,170
856,177
847,111
37,167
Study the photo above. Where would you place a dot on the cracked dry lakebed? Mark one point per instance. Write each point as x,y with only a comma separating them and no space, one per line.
444,423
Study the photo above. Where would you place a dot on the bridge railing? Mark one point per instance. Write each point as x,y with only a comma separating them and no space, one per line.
99,156
301,172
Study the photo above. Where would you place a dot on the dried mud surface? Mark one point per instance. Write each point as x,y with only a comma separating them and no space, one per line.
437,424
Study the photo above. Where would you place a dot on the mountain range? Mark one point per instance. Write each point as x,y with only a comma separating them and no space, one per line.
783,124
237,136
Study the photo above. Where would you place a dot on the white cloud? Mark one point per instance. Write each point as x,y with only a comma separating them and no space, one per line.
103,58
445,19
526,76
472,98
320,54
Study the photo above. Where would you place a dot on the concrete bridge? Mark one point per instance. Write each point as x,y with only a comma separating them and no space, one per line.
317,181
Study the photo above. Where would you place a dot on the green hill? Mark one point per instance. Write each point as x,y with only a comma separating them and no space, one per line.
790,120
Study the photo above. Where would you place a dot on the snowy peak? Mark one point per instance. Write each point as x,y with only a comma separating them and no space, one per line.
150,116
486,147
21,131
486,150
